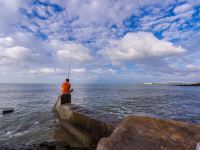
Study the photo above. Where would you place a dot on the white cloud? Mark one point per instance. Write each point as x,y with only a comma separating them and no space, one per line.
17,52
41,10
88,20
79,71
7,41
101,23
46,70
92,74
107,71
10,49
161,26
182,8
9,14
102,11
134,46
171,24
13,53
97,71
10,5
191,69
76,51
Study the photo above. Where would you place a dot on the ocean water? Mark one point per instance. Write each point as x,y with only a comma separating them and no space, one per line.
33,120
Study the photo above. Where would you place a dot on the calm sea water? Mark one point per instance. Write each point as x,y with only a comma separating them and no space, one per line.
33,120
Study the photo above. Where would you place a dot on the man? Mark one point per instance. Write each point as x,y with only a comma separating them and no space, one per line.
66,87
66,92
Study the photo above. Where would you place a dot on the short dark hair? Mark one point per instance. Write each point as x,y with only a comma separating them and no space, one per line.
67,80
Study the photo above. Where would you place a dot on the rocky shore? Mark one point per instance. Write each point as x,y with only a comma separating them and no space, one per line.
106,132
131,133
135,133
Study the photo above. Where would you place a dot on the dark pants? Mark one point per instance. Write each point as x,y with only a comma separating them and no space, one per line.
65,98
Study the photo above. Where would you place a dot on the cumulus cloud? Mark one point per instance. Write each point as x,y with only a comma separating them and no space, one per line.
182,8
41,10
134,46
45,71
170,22
75,21
103,11
191,69
76,51
48,33
6,41
9,14
87,20
100,71
96,71
12,53
93,74
17,52
79,71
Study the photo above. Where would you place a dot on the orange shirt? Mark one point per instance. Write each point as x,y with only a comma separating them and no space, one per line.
65,87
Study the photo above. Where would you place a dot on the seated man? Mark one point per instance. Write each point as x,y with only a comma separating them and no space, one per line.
66,92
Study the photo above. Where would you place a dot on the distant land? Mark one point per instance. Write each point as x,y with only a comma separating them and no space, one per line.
173,83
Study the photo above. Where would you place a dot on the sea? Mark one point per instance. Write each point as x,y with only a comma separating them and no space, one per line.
33,120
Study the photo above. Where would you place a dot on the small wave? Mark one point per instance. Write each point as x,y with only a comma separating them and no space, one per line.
37,122
18,134
8,133
11,134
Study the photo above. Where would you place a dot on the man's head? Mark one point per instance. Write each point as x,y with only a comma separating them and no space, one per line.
67,80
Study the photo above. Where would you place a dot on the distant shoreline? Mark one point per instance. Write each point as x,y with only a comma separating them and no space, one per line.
193,84
173,83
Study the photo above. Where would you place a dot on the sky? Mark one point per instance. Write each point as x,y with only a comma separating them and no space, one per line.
108,41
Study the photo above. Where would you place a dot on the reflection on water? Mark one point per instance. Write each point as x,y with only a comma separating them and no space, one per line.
33,120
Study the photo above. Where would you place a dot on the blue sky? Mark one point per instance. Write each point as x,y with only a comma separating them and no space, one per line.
111,41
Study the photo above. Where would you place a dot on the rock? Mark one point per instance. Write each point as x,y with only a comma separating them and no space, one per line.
144,133
7,110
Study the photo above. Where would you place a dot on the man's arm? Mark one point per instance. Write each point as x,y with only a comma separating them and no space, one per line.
71,90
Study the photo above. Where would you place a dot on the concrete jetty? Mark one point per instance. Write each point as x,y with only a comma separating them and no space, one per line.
86,125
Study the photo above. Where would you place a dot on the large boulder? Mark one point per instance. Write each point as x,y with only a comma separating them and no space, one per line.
144,133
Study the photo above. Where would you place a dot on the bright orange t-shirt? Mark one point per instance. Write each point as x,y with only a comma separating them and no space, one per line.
66,87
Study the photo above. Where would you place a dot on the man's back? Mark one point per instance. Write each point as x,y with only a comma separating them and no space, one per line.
66,87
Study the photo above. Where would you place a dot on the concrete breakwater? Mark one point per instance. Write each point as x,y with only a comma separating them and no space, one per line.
107,132
86,125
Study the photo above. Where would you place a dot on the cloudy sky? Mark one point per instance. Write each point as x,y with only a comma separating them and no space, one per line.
109,41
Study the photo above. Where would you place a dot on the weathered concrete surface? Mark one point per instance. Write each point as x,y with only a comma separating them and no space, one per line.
88,126
144,133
